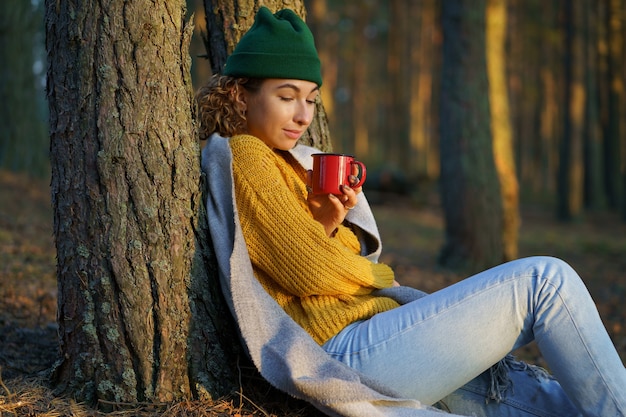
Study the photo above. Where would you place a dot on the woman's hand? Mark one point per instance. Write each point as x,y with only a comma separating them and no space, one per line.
330,210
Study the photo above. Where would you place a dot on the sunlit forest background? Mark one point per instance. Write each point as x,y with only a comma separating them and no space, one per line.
565,77
381,60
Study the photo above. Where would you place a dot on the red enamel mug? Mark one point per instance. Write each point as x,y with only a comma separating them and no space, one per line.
332,170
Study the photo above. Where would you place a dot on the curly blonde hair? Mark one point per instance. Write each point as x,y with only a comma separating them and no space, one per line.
217,108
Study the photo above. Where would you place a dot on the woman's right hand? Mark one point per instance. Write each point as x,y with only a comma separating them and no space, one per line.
330,210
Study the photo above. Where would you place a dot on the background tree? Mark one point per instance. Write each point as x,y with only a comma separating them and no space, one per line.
398,80
422,118
501,130
361,107
470,191
23,135
594,195
571,168
614,103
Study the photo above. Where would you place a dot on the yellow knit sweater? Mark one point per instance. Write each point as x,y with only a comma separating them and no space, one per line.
322,283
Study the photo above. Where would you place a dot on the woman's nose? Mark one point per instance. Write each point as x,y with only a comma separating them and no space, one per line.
304,114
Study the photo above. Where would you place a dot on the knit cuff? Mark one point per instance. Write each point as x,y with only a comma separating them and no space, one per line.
383,275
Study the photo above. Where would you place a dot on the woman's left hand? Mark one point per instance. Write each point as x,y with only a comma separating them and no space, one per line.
330,210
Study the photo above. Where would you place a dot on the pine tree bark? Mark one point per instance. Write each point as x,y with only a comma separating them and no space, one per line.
127,207
470,191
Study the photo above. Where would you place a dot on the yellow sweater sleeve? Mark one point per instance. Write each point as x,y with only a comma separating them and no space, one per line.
283,238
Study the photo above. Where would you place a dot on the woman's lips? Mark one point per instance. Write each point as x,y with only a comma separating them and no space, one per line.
293,134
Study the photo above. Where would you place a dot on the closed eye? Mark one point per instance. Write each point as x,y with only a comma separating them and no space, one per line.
313,100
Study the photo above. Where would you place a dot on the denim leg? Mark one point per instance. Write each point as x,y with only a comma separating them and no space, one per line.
433,346
531,392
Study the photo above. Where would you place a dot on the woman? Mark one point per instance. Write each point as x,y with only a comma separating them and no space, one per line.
311,261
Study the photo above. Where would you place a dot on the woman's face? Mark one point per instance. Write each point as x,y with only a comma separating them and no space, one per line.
280,111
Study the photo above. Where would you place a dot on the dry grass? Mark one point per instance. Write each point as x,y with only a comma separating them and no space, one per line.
31,397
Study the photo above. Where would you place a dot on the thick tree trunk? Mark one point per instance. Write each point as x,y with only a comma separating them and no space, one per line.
126,196
227,21
470,190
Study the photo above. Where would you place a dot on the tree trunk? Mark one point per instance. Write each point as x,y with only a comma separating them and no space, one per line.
594,180
398,105
615,102
470,190
127,206
360,106
423,150
227,21
570,178
501,130
550,96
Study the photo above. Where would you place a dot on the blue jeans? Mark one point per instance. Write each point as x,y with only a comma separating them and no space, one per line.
439,347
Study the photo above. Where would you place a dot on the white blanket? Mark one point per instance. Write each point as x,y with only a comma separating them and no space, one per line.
285,355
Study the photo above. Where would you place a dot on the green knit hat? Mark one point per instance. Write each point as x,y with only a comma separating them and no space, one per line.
276,46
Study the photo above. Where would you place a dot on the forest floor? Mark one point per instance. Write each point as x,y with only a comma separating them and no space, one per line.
412,232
